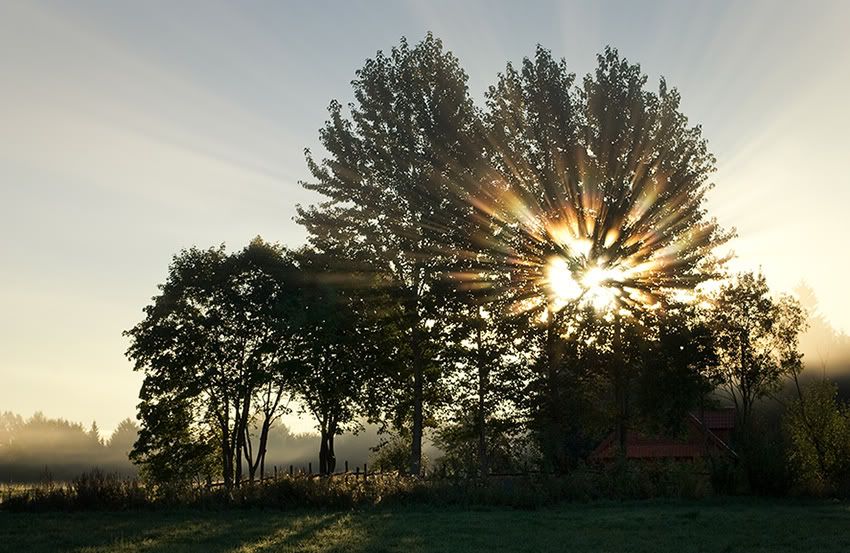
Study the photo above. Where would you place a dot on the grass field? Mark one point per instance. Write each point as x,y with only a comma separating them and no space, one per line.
734,525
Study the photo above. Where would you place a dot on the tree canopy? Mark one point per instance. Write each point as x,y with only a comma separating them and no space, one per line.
521,276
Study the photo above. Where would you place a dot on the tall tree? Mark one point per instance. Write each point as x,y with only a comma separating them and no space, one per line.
593,197
391,161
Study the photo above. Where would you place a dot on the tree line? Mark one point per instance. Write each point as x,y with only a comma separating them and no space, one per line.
43,448
518,277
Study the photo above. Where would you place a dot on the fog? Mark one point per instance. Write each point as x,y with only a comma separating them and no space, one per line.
38,449
826,350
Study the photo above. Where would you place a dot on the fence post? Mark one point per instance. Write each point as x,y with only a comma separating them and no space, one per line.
291,471
275,472
310,468
365,471
346,466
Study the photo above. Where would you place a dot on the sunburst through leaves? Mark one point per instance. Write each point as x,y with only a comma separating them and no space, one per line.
593,194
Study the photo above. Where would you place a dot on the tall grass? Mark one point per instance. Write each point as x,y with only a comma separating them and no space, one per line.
98,490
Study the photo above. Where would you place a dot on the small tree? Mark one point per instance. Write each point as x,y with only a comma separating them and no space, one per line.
818,425
680,370
174,449
756,337
213,345
336,350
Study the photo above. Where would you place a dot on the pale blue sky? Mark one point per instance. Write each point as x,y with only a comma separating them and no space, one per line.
131,130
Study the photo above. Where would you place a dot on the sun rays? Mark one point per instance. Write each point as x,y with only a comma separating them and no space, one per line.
592,195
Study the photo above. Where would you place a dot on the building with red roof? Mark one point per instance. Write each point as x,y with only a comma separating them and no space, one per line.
705,434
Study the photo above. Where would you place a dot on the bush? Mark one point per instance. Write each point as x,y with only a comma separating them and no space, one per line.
818,429
91,490
764,453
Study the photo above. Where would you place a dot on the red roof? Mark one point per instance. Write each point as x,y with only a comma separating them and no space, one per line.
698,439
718,419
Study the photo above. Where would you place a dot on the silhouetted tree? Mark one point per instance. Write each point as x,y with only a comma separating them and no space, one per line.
336,350
121,441
174,447
592,197
392,160
680,371
480,381
215,344
756,337
827,349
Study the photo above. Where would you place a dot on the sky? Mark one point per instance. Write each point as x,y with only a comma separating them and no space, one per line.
131,130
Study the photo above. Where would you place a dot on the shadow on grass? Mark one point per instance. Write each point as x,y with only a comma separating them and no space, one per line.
189,531
641,527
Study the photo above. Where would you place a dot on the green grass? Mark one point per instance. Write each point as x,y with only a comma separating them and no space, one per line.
715,526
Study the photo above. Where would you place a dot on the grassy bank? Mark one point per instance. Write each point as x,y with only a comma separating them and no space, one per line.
722,526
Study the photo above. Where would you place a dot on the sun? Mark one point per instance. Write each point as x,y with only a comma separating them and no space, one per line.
562,286
592,284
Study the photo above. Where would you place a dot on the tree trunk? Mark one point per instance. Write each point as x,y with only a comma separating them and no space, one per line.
621,392
323,452
553,365
226,444
744,414
418,398
240,429
623,416
226,460
331,462
483,384
263,446
416,435
248,453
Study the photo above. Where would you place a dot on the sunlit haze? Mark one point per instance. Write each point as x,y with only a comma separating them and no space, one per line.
130,131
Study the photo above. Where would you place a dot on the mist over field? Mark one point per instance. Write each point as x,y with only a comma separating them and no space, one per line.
38,448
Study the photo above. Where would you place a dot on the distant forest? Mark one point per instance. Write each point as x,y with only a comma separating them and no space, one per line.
826,350
41,448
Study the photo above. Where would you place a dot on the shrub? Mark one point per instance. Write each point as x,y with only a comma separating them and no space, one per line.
818,428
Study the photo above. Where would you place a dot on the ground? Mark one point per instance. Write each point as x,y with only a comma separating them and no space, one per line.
715,526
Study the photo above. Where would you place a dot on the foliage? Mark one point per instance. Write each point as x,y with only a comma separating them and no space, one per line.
173,450
336,350
507,450
818,426
94,489
681,370
97,490
763,468
392,453
757,341
213,347
391,162
607,178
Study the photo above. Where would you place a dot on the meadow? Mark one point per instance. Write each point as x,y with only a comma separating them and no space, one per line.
716,525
